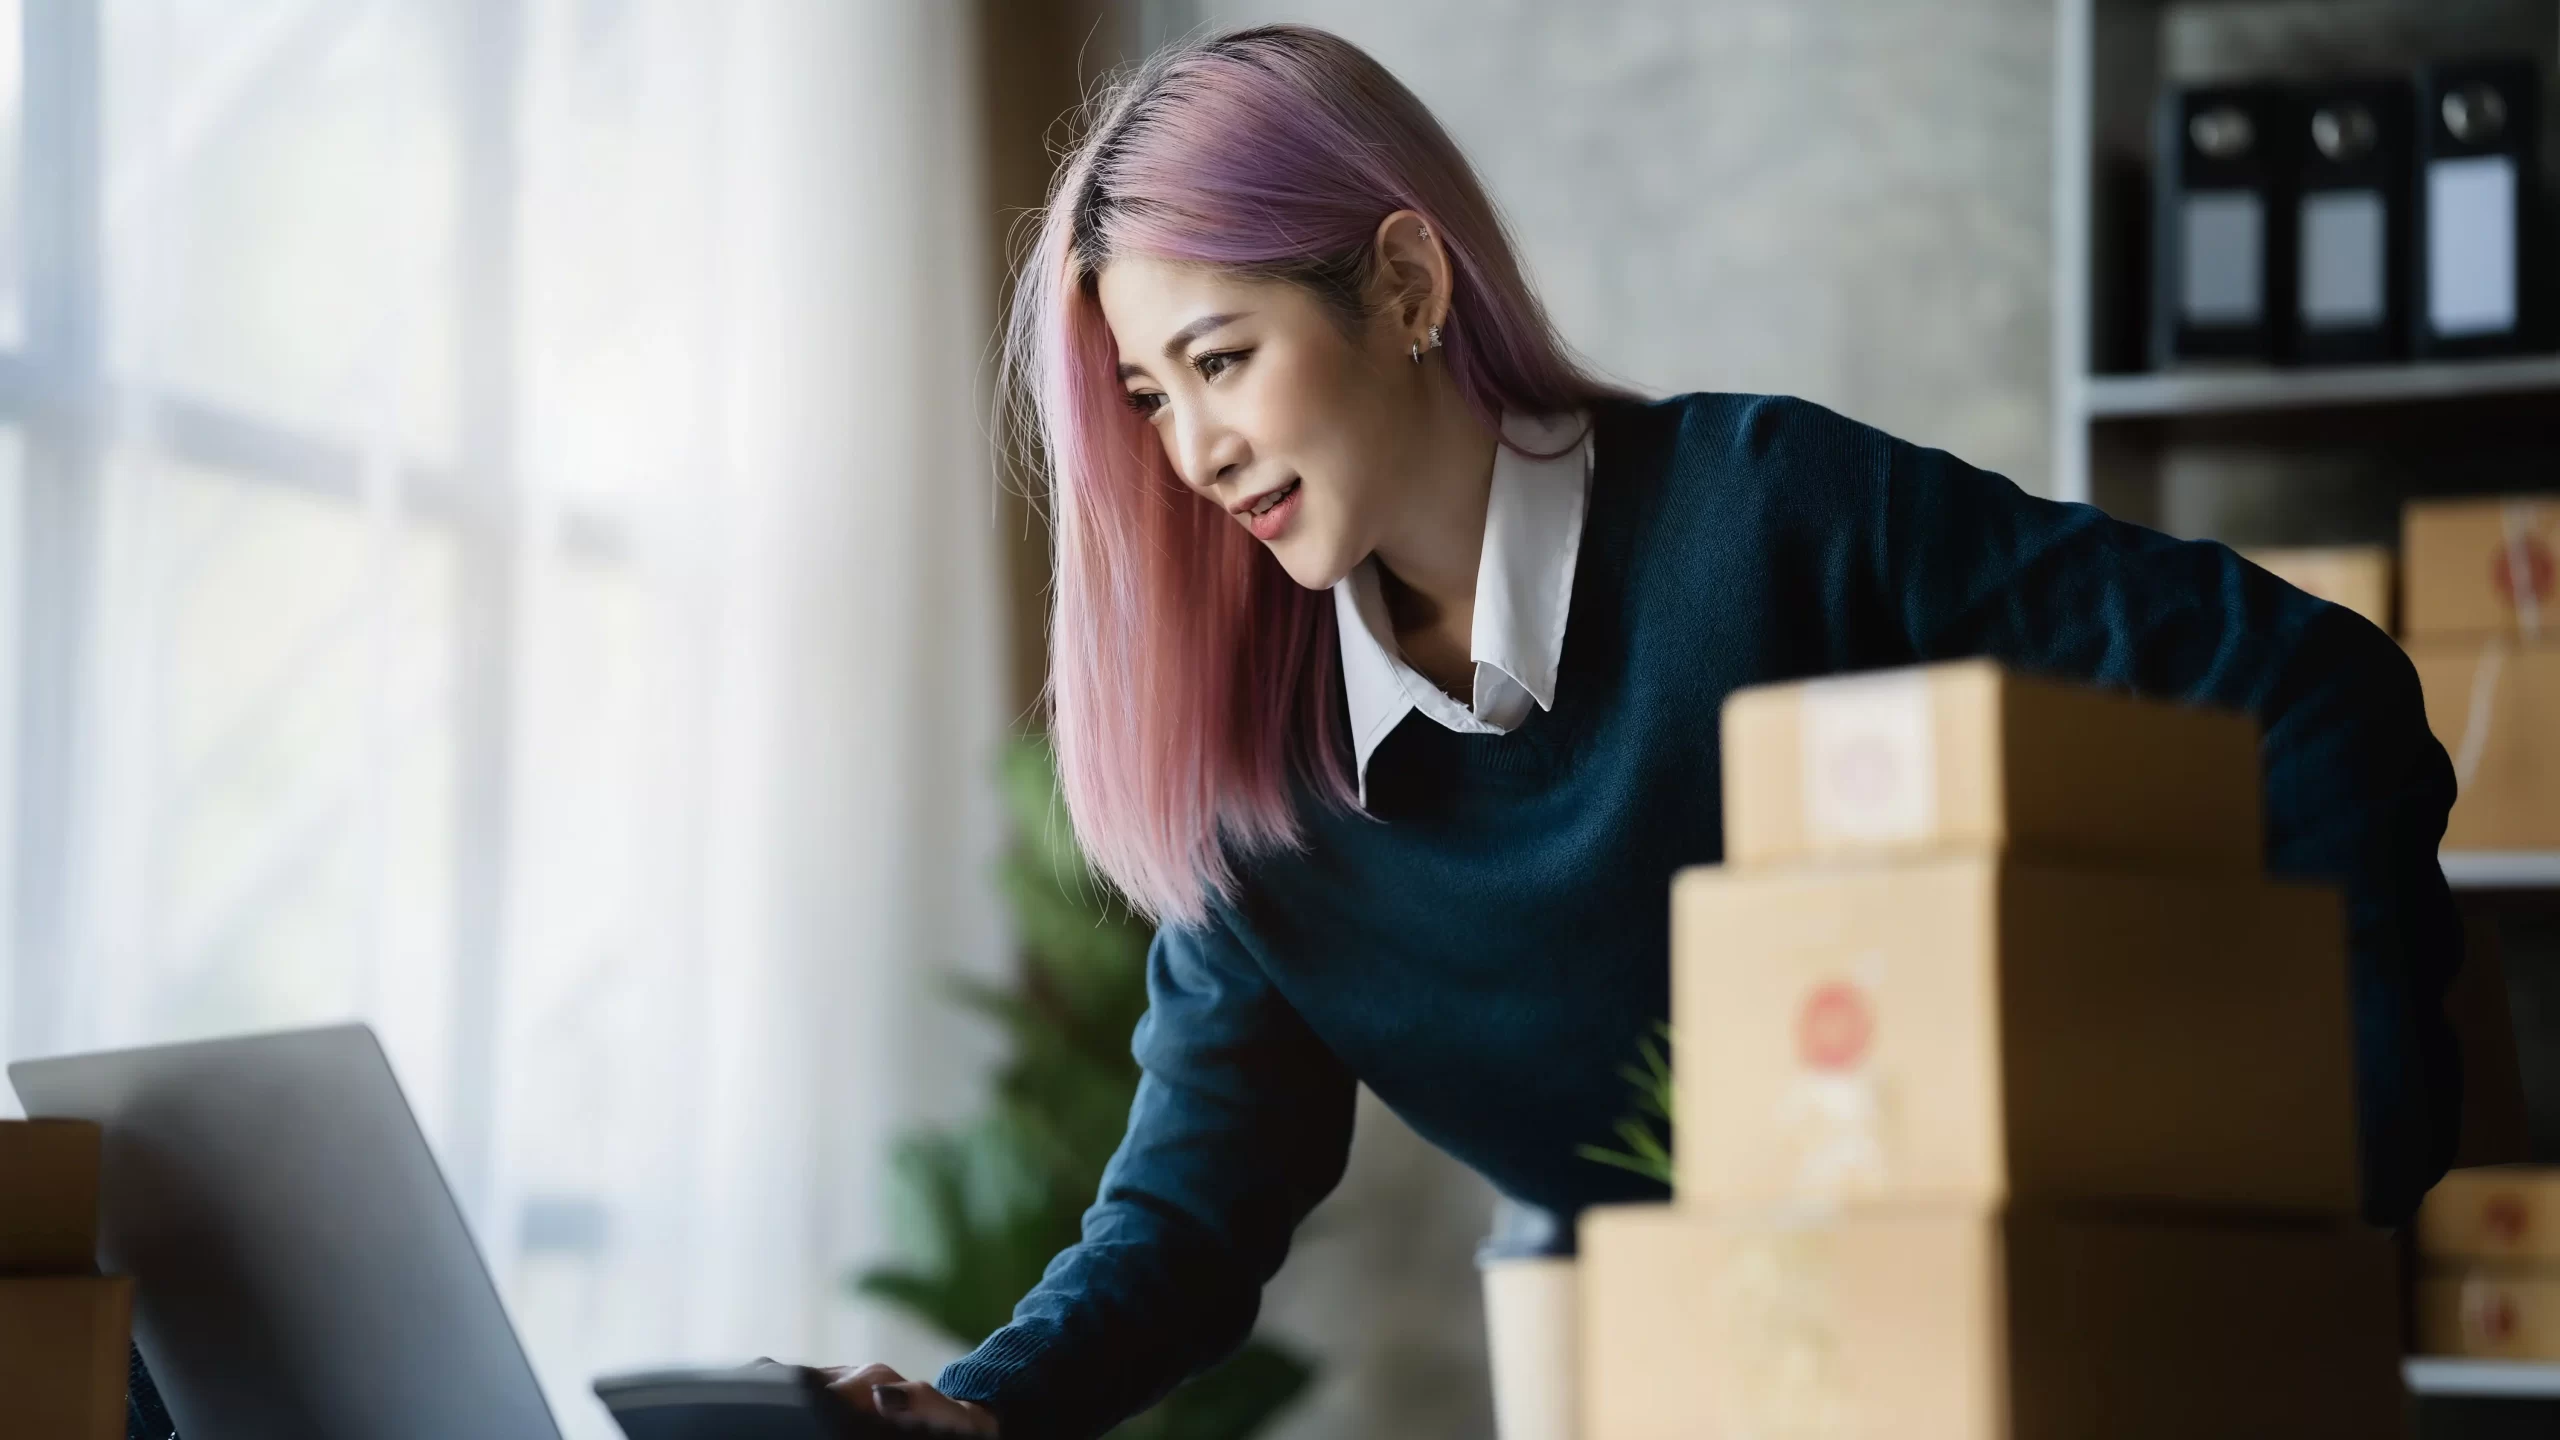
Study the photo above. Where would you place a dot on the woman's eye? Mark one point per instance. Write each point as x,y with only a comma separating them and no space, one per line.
1146,403
1216,363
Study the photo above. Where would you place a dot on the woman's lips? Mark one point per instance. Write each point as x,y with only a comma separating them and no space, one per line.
1268,525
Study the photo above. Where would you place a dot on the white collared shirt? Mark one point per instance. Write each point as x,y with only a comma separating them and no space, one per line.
1524,584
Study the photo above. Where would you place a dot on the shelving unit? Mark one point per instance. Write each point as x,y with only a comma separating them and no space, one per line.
2268,455
2105,399
2506,1379
2502,869
2262,454
2120,433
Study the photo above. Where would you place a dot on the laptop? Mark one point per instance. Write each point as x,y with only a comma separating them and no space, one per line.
302,1271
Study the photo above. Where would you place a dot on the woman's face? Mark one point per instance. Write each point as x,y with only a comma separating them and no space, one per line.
1266,408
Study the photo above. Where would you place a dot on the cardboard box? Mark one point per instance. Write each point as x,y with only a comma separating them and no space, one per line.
1908,761
1981,1027
2490,1312
2478,567
2356,576
63,1343
1967,1323
2503,1213
2494,705
48,1196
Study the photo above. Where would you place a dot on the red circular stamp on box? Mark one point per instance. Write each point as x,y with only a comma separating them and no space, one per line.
1836,1027
2506,1218
2539,570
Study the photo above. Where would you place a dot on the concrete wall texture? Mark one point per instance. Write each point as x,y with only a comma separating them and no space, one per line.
1848,200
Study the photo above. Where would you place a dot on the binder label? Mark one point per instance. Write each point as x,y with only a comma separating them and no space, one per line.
2471,246
2224,234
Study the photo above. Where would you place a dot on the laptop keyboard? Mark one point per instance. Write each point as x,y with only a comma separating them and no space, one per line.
145,1418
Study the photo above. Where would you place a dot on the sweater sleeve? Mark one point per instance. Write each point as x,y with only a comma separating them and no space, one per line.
2357,788
1242,1123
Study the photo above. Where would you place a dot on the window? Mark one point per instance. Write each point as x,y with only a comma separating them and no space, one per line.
499,550
336,656
245,708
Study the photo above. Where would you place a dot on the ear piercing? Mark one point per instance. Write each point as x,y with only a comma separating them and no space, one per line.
1417,347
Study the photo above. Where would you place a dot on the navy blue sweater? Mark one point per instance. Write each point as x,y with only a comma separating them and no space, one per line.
1485,948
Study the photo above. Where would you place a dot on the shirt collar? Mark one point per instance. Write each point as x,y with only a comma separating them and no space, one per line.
1524,586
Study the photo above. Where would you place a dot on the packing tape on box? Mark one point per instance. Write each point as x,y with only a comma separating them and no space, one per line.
2489,1314
1788,1372
1870,758
2483,714
2527,566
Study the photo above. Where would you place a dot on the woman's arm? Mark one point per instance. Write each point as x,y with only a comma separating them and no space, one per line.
1241,1124
2356,786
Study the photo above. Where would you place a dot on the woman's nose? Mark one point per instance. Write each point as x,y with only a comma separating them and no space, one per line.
1209,454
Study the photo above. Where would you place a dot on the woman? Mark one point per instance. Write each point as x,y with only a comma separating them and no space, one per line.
1386,657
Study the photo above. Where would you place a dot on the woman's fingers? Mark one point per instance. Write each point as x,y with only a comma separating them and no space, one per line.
884,1392
855,1382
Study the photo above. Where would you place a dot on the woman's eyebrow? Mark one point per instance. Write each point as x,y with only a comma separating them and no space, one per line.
1173,348
1183,337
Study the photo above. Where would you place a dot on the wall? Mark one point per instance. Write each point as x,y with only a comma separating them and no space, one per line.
1848,200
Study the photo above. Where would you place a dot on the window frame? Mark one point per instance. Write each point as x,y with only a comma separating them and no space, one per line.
56,391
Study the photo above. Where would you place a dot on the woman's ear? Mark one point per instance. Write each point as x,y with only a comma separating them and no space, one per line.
1411,279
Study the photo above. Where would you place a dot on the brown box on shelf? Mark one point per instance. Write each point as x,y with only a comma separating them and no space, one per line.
2490,1312
63,1341
1907,761
2476,567
2356,576
1970,1323
2500,1213
48,1196
1983,1027
2495,706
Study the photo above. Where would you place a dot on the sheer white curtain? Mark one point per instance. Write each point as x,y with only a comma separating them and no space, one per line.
504,550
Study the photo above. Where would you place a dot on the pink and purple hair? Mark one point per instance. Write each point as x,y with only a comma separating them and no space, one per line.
1193,686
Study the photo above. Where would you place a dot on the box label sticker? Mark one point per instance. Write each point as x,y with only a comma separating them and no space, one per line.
1870,753
1834,1111
2489,1318
2522,570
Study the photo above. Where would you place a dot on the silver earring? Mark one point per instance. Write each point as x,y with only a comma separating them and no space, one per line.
1417,347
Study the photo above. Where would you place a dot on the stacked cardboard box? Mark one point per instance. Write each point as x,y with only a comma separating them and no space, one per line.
64,1329
2482,624
2356,576
2013,1101
2489,1251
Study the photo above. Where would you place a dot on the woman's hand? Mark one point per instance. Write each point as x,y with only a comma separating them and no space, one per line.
886,1393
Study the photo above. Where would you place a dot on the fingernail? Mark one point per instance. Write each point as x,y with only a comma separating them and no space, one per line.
889,1399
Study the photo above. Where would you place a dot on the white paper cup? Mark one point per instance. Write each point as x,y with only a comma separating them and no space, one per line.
1532,1313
